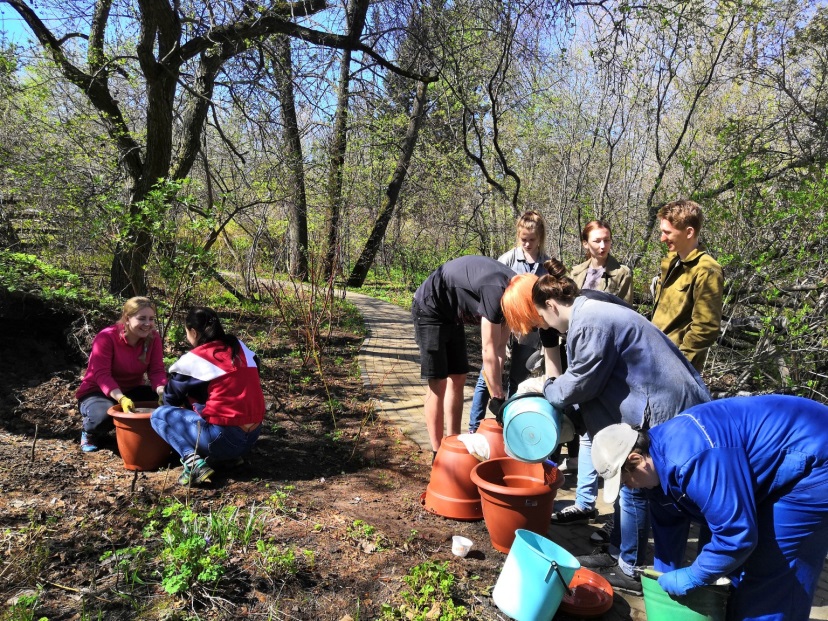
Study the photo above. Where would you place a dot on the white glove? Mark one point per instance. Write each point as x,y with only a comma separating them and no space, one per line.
567,433
533,384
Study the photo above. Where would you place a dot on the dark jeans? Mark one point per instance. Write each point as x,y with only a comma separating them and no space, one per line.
93,408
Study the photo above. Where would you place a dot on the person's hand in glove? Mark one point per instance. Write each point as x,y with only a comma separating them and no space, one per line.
495,403
126,404
160,391
679,582
533,384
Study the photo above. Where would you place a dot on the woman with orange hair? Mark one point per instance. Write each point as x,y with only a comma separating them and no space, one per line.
621,368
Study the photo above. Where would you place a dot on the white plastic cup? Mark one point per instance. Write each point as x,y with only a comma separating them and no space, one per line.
460,545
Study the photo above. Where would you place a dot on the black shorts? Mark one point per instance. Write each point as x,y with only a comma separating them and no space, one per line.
442,348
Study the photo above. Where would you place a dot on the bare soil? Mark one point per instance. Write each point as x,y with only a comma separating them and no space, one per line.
323,451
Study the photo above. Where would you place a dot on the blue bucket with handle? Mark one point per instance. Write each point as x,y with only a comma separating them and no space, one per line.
534,578
531,427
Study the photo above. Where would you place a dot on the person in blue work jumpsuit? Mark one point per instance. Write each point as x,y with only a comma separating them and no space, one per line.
755,470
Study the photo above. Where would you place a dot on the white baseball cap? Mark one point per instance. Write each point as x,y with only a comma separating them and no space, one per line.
610,448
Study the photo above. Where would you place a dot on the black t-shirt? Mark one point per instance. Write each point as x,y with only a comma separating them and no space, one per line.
463,290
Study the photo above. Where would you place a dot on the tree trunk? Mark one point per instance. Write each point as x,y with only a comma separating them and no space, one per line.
366,259
357,10
298,221
126,275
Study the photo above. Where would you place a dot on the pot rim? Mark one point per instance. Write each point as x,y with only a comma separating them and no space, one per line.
117,412
538,489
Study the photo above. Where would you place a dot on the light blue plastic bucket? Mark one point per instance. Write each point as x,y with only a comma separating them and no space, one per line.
531,583
530,427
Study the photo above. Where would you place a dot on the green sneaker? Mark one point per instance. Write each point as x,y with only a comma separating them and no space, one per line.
197,474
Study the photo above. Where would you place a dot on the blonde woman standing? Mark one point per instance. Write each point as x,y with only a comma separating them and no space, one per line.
527,257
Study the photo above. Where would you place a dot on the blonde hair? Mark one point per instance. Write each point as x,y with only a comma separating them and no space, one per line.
517,305
533,222
133,306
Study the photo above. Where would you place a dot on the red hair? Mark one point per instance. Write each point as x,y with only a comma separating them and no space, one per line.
517,304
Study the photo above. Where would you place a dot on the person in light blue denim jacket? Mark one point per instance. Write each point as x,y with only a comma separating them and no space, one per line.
621,369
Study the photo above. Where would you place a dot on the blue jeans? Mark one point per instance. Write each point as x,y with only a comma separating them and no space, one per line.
586,492
93,408
517,373
479,402
629,536
188,433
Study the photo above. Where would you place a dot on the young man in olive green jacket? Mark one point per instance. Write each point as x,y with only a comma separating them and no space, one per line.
688,292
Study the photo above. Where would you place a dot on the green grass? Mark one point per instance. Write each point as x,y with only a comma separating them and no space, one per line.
393,293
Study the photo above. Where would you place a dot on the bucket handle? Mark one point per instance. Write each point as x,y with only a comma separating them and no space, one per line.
560,575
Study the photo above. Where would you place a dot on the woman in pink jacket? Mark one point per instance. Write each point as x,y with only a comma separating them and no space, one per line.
122,355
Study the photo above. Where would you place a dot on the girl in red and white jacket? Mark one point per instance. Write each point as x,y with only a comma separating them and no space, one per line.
213,402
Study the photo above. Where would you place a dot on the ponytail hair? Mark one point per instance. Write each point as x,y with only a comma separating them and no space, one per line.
533,222
517,305
555,285
205,321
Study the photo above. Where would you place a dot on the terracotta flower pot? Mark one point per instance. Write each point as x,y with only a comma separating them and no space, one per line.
451,492
139,444
494,434
514,495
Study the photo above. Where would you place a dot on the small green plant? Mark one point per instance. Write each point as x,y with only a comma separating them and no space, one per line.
310,558
386,481
278,500
129,565
361,530
366,535
276,562
428,595
23,609
196,548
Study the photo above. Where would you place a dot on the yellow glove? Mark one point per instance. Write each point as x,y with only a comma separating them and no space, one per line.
160,396
126,404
